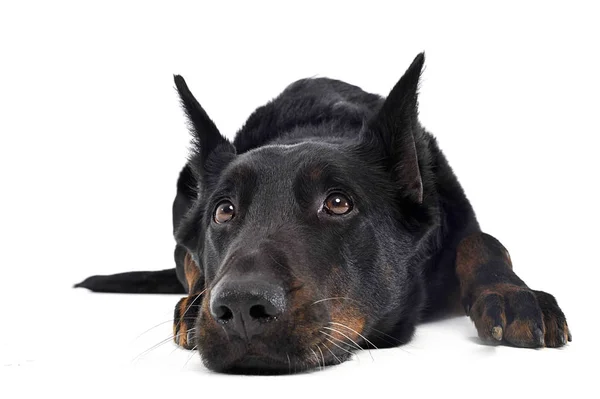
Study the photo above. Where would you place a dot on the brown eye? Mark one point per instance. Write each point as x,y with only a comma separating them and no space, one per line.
224,212
338,204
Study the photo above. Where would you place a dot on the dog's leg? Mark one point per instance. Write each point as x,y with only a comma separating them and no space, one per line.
187,309
500,304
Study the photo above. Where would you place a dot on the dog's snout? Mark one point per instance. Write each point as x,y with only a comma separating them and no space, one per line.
245,307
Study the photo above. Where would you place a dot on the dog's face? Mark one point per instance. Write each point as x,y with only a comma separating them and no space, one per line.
304,249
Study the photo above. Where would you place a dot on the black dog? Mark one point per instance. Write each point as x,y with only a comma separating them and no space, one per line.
333,222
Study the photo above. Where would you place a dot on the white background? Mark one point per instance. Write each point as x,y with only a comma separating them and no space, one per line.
92,140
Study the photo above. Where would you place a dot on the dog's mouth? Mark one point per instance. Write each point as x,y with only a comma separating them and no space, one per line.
295,349
256,362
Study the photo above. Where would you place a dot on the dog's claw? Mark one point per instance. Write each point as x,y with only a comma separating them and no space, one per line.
190,337
539,336
497,333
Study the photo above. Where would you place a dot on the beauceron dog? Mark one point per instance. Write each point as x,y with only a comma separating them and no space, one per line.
333,222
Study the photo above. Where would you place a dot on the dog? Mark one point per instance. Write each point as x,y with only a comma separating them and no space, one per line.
332,223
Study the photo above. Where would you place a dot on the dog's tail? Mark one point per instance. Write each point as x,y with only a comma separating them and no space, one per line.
155,282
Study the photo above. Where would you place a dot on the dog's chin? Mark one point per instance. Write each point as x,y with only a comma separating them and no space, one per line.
266,364
258,365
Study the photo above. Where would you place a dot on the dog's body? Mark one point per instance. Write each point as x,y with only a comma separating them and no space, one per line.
332,222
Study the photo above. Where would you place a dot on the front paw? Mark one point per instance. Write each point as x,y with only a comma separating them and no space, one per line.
519,316
186,312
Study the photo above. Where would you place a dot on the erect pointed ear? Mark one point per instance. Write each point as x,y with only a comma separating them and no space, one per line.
396,125
206,137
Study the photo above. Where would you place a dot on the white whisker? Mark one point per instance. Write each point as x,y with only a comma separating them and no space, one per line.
354,342
332,298
345,350
189,307
398,342
338,359
357,346
152,328
177,347
322,357
337,339
190,358
316,357
164,341
354,331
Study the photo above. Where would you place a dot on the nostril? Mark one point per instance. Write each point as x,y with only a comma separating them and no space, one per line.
260,313
223,314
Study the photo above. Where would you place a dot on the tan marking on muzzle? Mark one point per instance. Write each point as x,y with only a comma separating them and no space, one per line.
348,324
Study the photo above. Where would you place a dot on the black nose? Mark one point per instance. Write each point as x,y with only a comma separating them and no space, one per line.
247,306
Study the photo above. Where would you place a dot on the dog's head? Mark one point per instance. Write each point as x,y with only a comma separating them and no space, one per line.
304,251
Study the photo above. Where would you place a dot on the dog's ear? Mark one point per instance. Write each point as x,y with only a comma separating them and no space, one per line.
206,139
210,154
396,125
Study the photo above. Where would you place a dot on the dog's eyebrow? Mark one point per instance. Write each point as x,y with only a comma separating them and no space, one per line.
239,181
315,172
318,178
240,174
